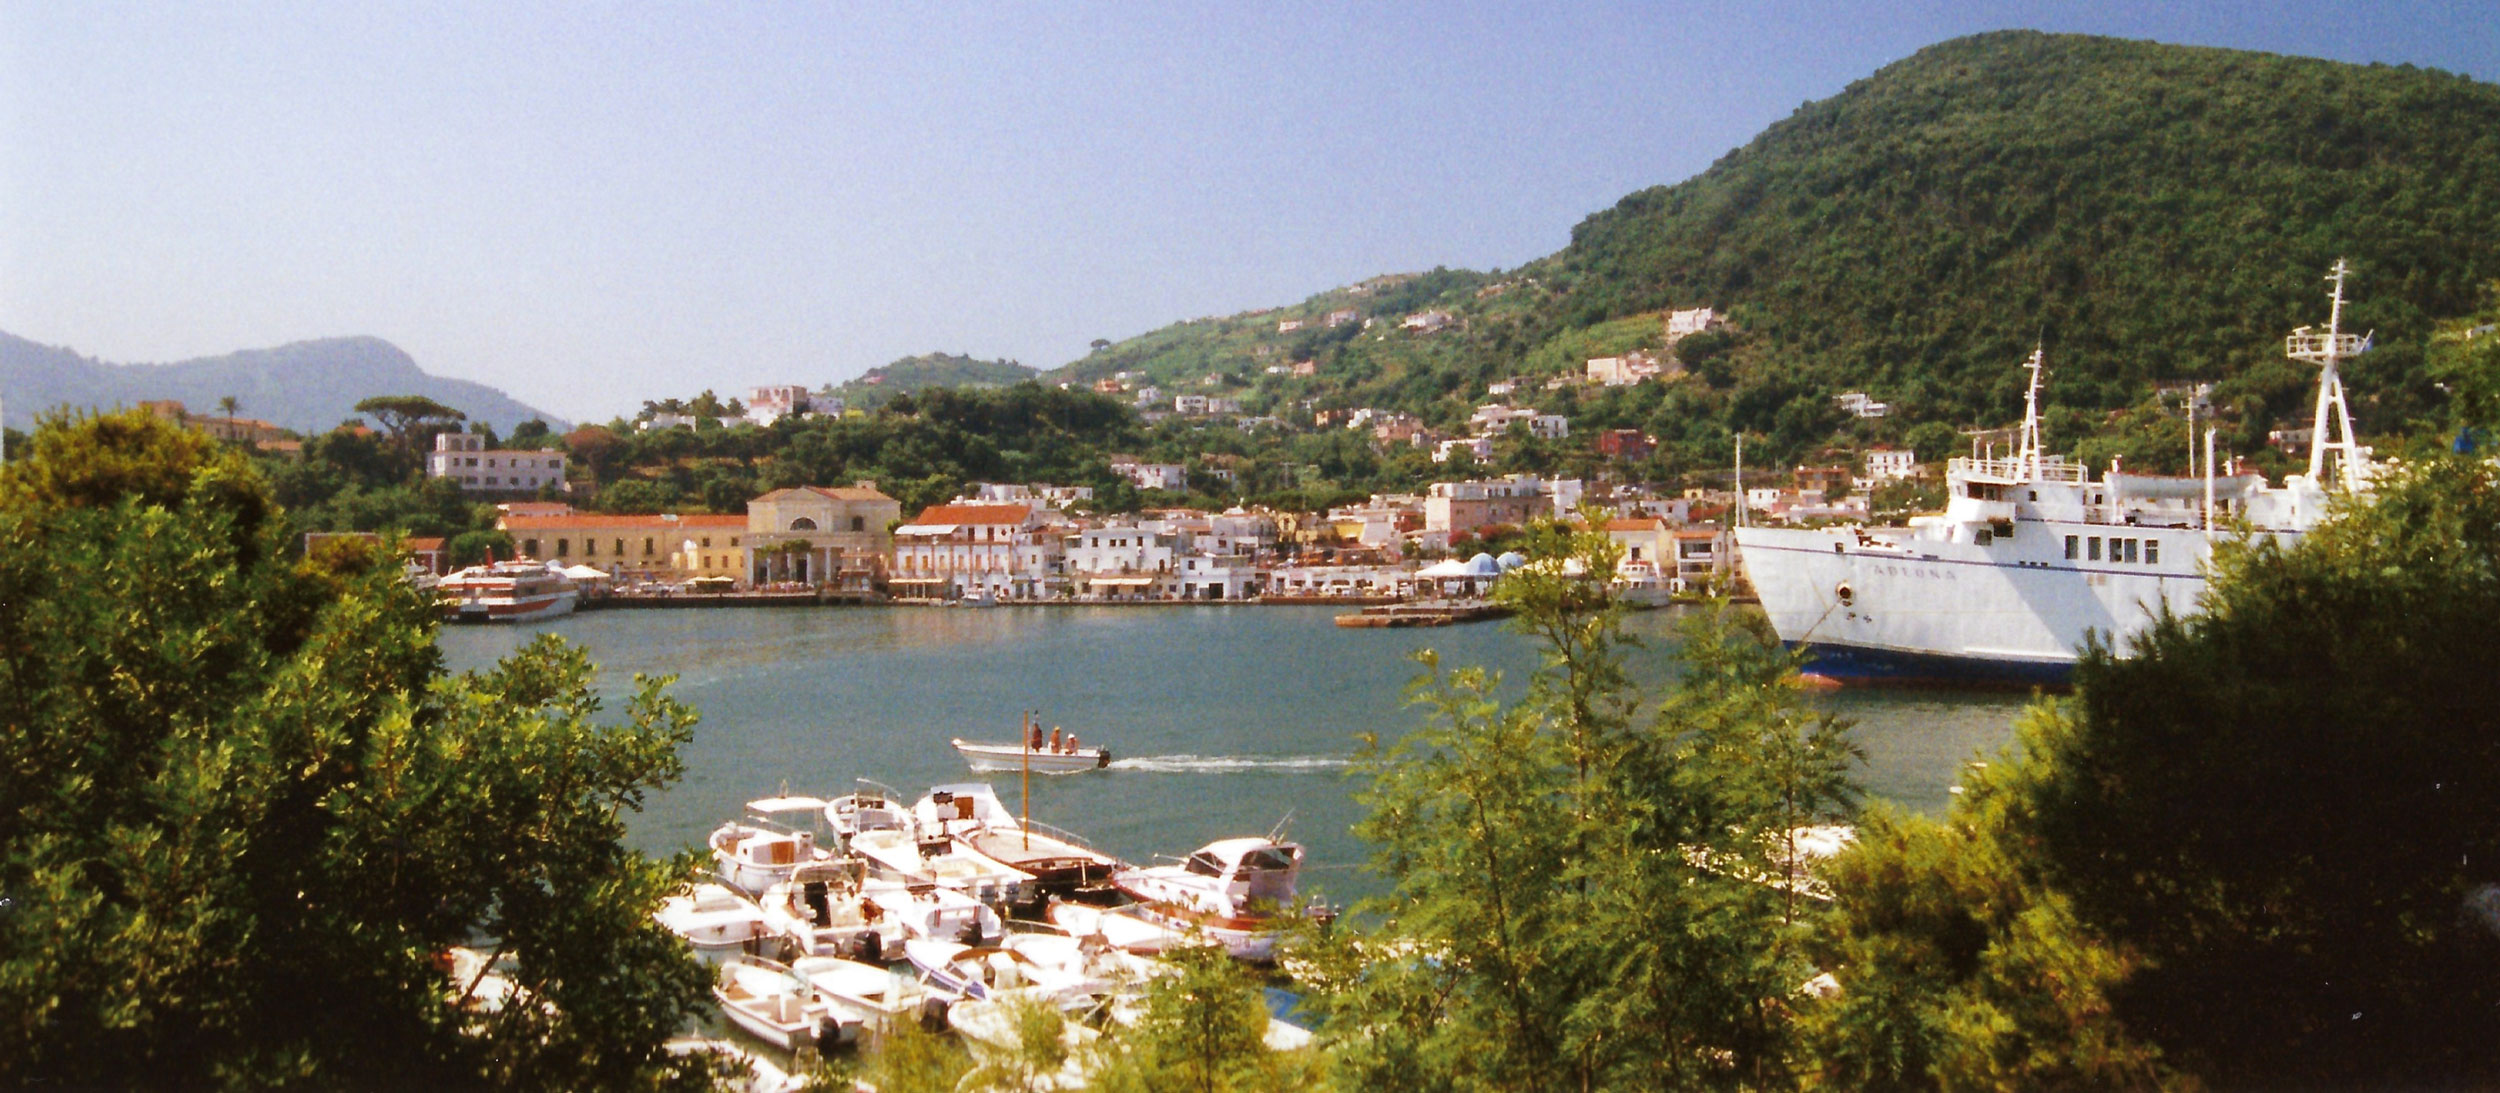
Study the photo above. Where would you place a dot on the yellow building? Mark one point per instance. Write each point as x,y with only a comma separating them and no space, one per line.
821,535
635,547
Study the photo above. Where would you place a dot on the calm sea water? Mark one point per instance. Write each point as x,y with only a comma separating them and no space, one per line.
1222,720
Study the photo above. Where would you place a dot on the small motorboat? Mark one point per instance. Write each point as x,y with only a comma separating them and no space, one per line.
1010,757
716,920
1238,892
994,1030
1117,928
996,971
1061,865
930,858
763,850
869,996
824,910
766,998
932,913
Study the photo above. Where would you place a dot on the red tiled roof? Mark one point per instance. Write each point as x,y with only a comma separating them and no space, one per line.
838,493
523,522
1643,523
974,514
420,545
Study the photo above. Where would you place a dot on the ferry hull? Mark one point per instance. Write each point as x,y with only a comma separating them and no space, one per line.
1861,666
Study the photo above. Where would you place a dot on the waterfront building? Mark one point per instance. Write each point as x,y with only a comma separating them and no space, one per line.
1121,561
1704,557
1005,551
664,547
1511,500
464,458
1341,580
835,536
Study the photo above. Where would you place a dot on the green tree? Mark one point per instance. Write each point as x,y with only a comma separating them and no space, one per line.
2255,852
243,810
410,419
1584,900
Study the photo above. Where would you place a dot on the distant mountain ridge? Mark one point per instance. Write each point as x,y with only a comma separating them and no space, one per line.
305,386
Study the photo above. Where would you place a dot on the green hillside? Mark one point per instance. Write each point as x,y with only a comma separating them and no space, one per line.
877,386
2146,212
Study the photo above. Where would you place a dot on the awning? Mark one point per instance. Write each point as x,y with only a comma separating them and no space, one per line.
925,529
584,573
1121,582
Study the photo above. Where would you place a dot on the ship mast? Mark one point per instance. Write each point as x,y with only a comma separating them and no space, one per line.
2326,351
2027,455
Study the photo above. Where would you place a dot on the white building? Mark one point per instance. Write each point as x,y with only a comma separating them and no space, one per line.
1189,404
1625,370
1120,561
1006,551
1478,447
773,402
1425,322
1890,464
1858,404
1686,323
1342,316
1152,476
1288,326
464,458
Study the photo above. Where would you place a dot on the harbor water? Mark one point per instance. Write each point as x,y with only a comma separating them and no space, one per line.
1221,720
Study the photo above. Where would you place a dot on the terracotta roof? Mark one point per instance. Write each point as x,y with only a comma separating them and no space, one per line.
1015,513
425,544
523,522
1644,523
838,493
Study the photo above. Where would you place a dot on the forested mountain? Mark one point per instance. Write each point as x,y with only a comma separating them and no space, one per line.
2145,212
879,385
305,386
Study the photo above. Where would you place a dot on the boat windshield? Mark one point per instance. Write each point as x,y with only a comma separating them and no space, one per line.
1261,861
1206,865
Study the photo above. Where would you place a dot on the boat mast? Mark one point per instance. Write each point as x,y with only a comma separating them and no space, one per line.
1026,821
2027,458
2326,351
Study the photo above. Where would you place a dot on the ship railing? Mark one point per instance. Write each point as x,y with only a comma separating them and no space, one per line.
2054,469
1066,836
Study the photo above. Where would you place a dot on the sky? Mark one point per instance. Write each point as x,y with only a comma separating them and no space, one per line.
591,204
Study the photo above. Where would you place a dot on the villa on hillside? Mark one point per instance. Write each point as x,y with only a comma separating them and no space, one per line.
464,458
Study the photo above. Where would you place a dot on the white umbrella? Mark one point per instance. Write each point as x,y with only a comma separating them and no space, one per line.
584,573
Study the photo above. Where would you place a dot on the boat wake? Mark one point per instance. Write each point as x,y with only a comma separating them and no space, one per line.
1219,764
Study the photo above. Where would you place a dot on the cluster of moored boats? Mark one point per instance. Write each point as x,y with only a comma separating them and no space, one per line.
832,917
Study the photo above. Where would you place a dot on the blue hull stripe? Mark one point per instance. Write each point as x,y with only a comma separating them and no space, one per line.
1860,666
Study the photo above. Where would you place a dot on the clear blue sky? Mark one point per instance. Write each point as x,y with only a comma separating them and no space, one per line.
588,204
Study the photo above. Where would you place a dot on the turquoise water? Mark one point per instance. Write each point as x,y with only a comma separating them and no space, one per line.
1222,720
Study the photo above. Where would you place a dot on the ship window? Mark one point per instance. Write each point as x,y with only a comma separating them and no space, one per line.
2130,543
1266,860
2152,552
2092,549
1205,865
2035,495
1985,537
2074,546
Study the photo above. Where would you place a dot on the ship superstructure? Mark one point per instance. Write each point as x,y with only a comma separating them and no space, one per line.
2031,555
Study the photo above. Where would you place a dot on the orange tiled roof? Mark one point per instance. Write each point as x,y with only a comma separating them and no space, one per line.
974,514
1643,523
425,544
522,522
838,493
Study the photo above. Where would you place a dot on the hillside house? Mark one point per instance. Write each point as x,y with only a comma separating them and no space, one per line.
1426,322
1480,448
1342,316
1858,404
1151,476
1890,464
1686,323
464,458
1288,326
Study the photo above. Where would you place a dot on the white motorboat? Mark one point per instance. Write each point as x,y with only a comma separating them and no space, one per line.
916,858
995,1033
714,919
762,851
970,813
824,910
1042,760
1238,892
933,913
870,996
1003,970
769,1000
517,591
873,809
1118,928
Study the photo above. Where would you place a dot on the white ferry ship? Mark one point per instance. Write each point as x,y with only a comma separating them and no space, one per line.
2030,555
506,592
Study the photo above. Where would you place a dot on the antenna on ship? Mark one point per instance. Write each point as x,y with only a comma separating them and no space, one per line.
2326,351
2027,457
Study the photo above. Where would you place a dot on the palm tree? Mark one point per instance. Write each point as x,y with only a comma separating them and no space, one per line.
227,405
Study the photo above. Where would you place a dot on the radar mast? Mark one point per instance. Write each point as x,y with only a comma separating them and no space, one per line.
2330,428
